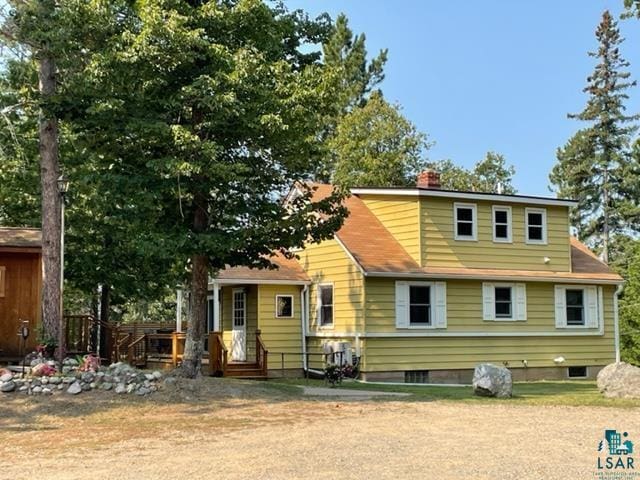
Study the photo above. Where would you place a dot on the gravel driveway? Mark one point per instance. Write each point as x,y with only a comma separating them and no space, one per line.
265,438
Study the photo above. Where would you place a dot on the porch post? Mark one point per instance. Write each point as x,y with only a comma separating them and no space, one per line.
216,307
179,309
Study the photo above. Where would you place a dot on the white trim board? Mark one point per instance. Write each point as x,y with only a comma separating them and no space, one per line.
248,281
572,333
416,192
501,278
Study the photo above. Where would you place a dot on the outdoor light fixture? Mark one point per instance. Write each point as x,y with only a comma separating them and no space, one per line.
546,259
63,184
559,360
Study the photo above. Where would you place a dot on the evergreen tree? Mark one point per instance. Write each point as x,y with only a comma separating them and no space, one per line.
608,195
355,79
348,54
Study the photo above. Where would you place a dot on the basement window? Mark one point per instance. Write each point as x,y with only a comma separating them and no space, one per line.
577,372
416,376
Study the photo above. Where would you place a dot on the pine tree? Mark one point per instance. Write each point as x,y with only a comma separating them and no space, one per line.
595,167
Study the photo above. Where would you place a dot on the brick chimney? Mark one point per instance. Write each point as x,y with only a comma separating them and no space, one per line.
428,179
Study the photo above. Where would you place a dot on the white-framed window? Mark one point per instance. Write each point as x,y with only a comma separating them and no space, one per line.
501,224
239,307
578,306
284,306
325,305
504,301
421,304
465,221
535,225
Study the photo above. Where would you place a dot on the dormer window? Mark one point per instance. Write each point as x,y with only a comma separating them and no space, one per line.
465,221
501,224
536,225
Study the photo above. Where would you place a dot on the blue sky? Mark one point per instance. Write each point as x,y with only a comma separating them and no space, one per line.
489,75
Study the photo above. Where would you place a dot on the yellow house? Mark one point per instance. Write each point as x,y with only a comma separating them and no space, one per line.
422,284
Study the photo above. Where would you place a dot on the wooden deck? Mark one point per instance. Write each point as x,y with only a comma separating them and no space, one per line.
156,345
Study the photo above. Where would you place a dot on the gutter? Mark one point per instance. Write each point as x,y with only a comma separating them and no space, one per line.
616,323
304,315
506,278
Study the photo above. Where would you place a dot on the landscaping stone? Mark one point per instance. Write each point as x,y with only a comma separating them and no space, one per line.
106,386
37,390
6,377
619,380
492,381
75,388
9,386
121,388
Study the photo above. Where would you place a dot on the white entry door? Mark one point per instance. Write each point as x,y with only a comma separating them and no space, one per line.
239,332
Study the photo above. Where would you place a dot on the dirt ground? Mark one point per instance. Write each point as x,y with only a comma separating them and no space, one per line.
237,430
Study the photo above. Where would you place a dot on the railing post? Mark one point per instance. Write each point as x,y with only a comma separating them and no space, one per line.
174,349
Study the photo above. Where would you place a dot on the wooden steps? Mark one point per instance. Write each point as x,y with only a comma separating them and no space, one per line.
248,370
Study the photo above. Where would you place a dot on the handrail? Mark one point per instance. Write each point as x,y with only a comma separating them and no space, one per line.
262,354
218,354
131,353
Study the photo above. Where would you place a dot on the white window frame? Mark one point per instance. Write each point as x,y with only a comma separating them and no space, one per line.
599,308
501,208
319,305
234,309
438,310
278,296
511,287
474,222
432,300
515,307
543,212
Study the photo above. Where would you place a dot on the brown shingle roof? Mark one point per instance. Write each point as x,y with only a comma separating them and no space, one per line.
288,270
20,237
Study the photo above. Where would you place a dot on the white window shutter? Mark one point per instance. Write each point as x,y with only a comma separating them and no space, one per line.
440,309
521,301
561,309
591,307
488,301
402,305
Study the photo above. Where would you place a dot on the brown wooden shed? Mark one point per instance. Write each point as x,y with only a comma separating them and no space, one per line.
20,288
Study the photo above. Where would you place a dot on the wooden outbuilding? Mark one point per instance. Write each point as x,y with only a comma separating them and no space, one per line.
20,289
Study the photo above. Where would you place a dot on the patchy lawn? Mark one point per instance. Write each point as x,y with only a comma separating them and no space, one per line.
231,429
570,393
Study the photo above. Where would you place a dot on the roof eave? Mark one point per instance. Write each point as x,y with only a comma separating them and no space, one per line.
506,278
419,192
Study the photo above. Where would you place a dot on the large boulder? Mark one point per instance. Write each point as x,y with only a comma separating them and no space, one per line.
492,381
619,380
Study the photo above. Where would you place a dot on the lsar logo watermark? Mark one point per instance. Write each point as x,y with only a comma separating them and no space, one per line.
616,459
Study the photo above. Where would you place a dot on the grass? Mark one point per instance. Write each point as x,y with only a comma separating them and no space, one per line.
565,393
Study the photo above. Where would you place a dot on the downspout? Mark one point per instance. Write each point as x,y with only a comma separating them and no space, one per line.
304,312
616,326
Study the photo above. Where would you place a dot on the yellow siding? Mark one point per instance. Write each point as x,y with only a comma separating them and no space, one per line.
252,318
401,217
280,334
327,262
464,313
439,249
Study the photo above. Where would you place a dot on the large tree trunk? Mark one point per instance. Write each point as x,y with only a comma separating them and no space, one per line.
605,213
51,204
194,343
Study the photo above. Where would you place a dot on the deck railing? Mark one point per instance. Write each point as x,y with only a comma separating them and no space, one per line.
218,354
262,354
